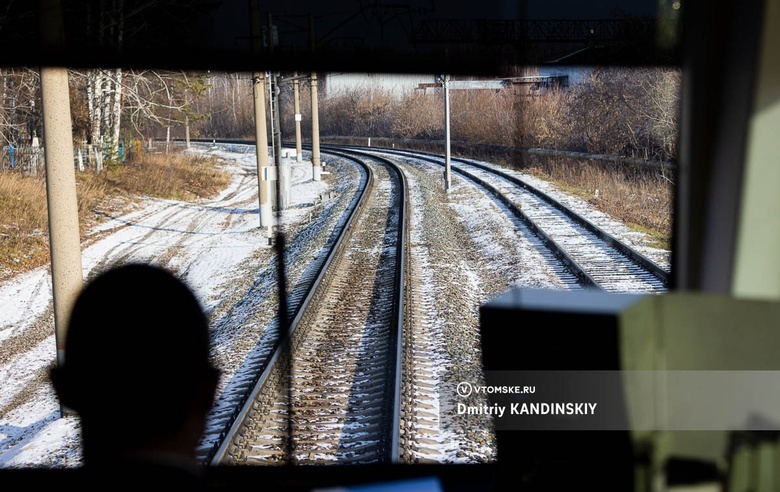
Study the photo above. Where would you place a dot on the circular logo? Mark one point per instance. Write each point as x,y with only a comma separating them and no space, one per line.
464,389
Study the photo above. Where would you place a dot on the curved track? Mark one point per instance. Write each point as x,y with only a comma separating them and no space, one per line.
340,402
597,258
347,333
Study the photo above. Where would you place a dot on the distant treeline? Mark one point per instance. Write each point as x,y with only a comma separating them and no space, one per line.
627,112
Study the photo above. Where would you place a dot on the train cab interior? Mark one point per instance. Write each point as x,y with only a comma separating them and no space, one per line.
720,319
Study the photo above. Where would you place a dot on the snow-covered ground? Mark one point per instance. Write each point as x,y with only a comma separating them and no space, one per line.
208,242
205,241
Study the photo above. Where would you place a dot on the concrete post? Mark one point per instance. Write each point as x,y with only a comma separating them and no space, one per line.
64,239
315,131
283,176
261,139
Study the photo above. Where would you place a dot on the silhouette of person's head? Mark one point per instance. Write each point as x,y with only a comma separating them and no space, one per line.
136,366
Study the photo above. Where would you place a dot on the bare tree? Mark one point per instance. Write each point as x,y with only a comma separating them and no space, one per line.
662,89
112,24
20,105
160,100
226,104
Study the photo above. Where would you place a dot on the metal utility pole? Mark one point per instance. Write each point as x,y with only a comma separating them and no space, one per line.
298,150
316,169
269,84
446,83
273,170
64,240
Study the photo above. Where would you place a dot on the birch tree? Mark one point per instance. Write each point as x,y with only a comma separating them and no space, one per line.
112,25
19,112
106,21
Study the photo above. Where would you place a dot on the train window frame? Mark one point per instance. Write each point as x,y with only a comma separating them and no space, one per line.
717,103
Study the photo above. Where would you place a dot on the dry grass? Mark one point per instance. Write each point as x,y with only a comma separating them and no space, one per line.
23,223
177,176
24,233
640,198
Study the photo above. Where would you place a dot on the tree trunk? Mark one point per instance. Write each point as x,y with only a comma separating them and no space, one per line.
187,130
105,121
116,112
94,89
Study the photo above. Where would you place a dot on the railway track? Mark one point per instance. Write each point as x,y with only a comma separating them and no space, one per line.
346,399
339,401
597,258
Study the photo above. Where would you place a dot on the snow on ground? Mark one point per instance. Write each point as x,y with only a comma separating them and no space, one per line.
206,240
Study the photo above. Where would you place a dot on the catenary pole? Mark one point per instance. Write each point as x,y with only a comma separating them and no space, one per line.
261,143
64,240
282,168
261,129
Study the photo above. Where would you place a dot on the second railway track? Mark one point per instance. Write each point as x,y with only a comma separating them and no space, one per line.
599,259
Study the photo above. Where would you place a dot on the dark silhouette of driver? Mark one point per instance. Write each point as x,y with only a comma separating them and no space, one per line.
136,370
